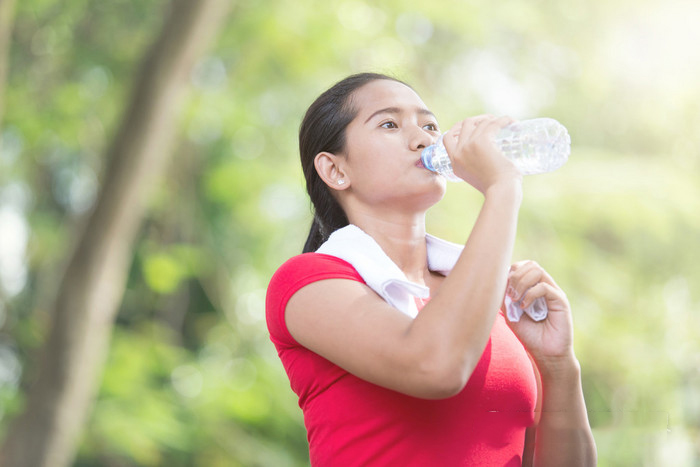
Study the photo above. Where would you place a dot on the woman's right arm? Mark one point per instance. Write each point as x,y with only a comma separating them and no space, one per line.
433,355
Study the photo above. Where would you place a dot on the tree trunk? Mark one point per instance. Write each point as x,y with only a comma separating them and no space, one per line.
7,13
46,434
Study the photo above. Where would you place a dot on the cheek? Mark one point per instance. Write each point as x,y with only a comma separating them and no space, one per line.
369,165
376,174
371,182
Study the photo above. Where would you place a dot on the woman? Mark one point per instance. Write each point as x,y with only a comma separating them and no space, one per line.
393,339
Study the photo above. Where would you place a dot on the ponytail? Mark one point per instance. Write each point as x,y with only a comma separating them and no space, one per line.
328,218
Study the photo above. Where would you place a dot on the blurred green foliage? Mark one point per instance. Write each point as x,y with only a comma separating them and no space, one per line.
192,378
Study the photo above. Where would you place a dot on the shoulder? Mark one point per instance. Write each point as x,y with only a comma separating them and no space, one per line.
311,267
295,273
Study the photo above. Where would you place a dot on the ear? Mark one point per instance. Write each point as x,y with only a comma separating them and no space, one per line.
329,168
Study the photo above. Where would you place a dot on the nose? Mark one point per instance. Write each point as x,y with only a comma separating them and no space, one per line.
420,139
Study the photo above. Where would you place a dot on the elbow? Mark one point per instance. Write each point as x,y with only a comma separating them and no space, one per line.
439,367
449,388
444,379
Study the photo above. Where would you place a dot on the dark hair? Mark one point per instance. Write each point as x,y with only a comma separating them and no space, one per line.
323,130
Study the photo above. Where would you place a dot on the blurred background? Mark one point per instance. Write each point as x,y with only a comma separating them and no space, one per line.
184,373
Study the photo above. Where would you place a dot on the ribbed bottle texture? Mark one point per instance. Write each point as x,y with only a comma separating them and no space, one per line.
535,146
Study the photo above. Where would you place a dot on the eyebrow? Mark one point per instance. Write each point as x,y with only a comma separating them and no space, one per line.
396,110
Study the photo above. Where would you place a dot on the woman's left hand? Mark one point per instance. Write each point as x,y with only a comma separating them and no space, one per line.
551,339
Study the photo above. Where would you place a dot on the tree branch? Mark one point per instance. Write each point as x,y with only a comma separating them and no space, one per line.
7,14
58,402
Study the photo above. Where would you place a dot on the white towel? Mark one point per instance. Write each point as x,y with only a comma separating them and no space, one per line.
384,277
537,309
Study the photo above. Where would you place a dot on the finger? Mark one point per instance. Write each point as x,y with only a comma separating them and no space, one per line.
504,120
452,136
462,131
478,119
469,125
518,270
542,274
519,265
473,125
555,297
530,278
525,274
522,276
548,279
491,126
535,292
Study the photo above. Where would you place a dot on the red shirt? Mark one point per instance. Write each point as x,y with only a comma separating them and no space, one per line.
351,422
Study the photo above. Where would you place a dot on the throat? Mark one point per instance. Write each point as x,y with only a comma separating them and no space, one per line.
430,279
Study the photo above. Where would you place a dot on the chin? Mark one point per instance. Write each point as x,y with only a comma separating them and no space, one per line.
434,193
441,183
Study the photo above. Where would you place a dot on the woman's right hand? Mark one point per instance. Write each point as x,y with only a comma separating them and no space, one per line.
475,157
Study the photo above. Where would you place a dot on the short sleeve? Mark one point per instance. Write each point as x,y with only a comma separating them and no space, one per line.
294,274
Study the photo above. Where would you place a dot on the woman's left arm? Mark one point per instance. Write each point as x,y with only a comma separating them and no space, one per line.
562,435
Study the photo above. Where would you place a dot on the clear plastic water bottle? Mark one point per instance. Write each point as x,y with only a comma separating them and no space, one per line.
535,146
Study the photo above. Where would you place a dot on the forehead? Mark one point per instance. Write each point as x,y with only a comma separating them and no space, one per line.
384,93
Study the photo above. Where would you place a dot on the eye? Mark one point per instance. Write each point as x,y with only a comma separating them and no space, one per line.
431,127
389,124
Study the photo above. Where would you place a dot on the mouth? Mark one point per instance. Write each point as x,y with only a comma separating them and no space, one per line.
419,163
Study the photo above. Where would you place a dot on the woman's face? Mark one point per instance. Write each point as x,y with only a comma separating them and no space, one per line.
384,144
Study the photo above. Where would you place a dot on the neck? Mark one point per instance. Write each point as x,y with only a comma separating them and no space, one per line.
402,238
